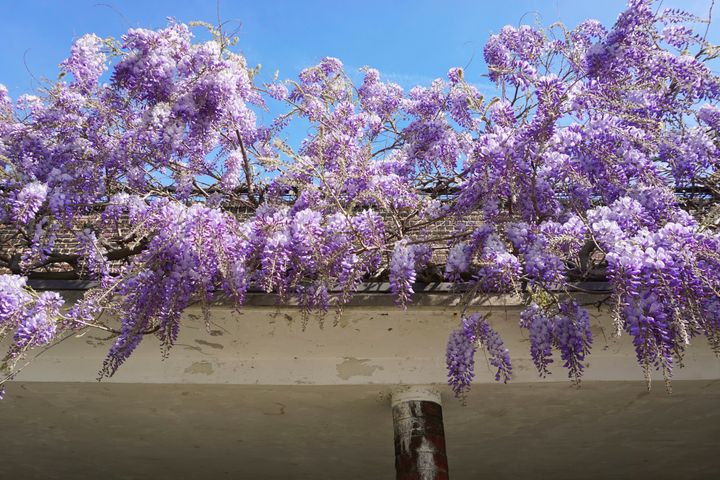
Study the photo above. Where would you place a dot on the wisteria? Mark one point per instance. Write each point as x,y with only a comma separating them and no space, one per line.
402,272
541,328
474,332
460,360
38,326
32,320
27,202
13,297
153,167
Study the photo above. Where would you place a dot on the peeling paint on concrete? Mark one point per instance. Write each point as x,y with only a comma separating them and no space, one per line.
210,344
191,347
280,411
204,367
356,367
426,463
95,341
404,425
314,356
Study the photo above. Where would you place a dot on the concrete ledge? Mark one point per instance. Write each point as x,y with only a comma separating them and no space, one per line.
367,295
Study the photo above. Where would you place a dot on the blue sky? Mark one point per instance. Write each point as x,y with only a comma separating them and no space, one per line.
410,42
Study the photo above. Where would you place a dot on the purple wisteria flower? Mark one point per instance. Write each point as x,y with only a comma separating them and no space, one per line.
573,337
458,261
402,272
87,62
38,326
567,329
464,342
542,334
460,360
12,297
28,202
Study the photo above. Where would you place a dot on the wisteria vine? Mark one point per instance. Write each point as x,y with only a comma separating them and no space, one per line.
597,160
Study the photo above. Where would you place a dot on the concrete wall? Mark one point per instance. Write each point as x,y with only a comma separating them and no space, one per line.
605,430
366,345
264,395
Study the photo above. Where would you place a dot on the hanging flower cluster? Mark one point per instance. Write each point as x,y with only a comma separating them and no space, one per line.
475,331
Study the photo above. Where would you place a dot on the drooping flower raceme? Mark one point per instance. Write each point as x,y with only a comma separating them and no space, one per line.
475,331
28,201
87,62
38,326
402,272
12,298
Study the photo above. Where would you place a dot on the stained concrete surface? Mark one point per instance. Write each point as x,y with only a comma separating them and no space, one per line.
263,395
604,430
269,346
